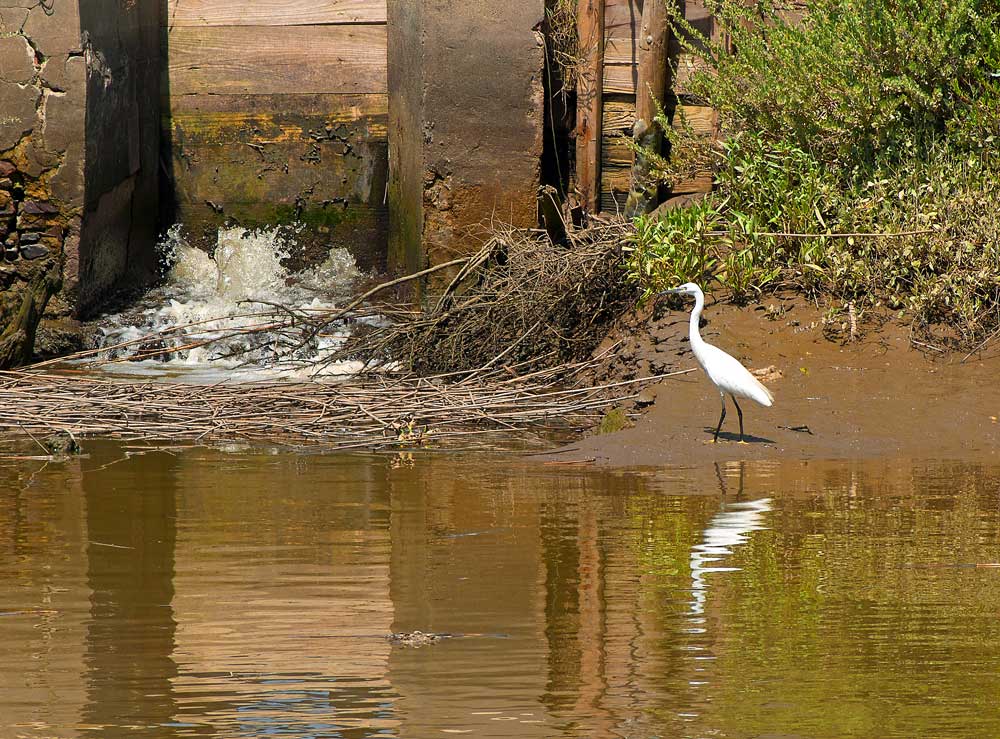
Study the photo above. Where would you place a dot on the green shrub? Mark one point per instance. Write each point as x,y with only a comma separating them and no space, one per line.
856,80
874,117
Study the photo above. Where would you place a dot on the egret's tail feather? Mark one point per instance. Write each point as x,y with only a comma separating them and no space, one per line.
766,398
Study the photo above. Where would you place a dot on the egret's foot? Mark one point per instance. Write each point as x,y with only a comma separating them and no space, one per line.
710,441
744,443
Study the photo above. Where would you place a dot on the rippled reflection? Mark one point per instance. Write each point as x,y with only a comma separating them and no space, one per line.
246,594
728,529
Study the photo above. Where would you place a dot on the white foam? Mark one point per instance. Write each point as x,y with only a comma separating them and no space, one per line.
216,296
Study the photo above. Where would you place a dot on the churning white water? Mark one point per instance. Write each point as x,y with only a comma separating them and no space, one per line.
218,297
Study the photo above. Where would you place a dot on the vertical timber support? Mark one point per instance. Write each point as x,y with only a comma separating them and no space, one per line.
589,111
405,135
466,112
651,88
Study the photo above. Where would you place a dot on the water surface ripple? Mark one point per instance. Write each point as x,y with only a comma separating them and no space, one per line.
193,592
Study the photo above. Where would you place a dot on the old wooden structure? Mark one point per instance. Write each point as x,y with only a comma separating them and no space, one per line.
618,68
466,123
275,112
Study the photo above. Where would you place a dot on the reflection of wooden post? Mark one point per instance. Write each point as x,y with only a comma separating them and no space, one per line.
651,87
589,90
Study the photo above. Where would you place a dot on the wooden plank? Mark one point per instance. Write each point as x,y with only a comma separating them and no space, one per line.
223,120
278,173
652,72
621,79
621,50
621,17
181,13
618,179
590,30
613,202
616,173
360,227
619,117
263,60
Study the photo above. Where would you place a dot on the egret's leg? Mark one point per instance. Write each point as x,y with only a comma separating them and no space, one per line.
715,439
739,411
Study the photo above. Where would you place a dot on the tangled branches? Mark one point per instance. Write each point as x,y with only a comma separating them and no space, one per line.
521,302
372,412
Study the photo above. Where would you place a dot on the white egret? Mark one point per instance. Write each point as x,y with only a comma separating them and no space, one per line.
728,375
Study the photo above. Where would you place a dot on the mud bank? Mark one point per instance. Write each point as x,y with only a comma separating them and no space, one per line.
873,397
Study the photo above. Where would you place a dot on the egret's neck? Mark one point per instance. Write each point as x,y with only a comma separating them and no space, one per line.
699,303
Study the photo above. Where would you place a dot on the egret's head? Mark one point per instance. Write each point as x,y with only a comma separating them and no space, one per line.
688,288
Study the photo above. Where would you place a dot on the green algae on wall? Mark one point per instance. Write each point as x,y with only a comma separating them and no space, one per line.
281,122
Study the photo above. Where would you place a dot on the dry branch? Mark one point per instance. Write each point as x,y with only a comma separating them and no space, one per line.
502,346
369,413
520,299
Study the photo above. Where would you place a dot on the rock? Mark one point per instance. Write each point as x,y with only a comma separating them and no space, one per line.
767,374
38,207
6,211
6,168
34,221
12,240
62,444
5,198
57,338
8,276
17,60
11,254
645,399
31,237
19,105
34,251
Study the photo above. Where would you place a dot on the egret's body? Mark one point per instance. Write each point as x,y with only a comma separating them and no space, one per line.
725,372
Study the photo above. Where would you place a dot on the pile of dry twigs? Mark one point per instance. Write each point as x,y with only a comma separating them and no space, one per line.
521,301
373,412
502,346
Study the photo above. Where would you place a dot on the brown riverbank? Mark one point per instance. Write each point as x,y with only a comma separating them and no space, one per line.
876,396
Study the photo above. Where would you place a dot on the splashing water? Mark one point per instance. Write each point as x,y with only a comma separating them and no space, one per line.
216,296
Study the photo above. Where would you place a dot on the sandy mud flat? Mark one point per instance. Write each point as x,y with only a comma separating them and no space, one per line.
876,396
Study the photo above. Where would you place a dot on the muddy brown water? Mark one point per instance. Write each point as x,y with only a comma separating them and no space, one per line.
249,593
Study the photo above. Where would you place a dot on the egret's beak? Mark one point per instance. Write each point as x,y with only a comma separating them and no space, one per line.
673,291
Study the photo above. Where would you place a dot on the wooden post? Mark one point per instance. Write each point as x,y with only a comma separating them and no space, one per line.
17,342
589,93
651,88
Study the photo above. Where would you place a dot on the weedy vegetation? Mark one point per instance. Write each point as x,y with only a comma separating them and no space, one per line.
858,162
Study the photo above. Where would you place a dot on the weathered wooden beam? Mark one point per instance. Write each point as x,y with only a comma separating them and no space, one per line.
590,30
651,88
620,75
200,13
17,342
225,120
278,59
619,118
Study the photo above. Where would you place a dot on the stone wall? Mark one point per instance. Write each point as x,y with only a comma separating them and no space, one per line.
42,100
466,111
78,149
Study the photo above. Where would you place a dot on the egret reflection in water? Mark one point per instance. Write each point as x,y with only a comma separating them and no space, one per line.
728,529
